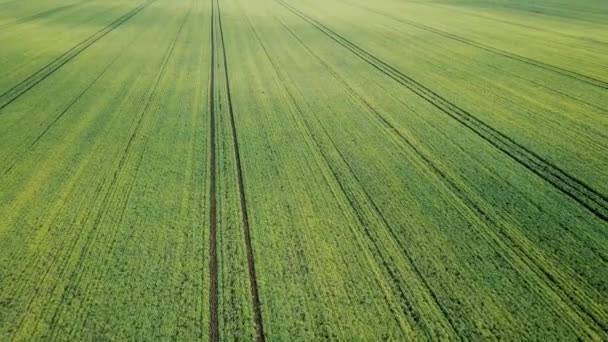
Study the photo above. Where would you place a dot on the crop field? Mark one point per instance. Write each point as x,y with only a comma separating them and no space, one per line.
301,170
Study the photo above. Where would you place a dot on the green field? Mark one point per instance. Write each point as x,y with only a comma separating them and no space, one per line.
301,170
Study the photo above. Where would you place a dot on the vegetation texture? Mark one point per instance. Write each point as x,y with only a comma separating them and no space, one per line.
303,170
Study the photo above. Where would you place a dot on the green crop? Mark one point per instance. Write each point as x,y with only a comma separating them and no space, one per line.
303,170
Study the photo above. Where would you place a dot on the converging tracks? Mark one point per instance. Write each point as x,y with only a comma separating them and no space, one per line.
213,282
213,262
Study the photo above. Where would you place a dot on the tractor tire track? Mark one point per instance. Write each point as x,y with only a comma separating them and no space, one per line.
579,191
82,208
55,256
530,260
298,247
561,71
513,23
213,263
127,193
257,306
557,281
394,278
503,71
34,265
39,16
540,211
317,146
58,117
24,86
60,269
75,275
9,2
542,85
450,183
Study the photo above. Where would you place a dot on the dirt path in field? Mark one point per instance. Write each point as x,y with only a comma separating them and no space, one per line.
257,310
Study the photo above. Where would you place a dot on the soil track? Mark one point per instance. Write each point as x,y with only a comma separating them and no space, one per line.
356,207
89,237
213,282
257,310
530,258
